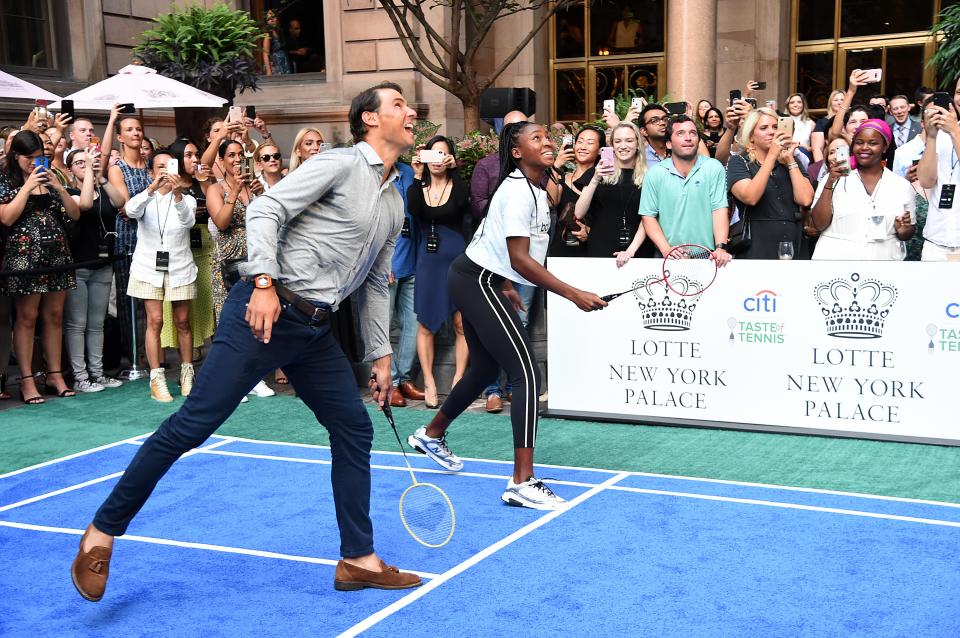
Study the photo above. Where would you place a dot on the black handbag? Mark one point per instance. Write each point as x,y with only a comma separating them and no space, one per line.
741,236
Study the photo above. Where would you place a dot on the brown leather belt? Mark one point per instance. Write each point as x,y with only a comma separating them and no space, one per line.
314,314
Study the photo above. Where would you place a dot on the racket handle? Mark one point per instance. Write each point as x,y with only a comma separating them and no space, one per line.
609,298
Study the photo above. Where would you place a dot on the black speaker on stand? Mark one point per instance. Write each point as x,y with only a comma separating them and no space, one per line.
495,103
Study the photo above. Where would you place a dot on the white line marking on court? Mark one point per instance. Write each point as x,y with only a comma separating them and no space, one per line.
792,506
423,590
190,545
101,479
73,456
770,486
396,468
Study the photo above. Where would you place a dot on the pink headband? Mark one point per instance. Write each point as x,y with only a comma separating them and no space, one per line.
878,125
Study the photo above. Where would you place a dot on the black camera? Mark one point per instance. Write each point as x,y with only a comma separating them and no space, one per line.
624,238
405,230
433,242
196,238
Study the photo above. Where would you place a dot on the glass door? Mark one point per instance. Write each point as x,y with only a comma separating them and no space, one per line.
903,64
608,81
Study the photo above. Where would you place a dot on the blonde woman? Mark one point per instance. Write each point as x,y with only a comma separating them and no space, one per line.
769,186
802,124
612,198
305,144
818,139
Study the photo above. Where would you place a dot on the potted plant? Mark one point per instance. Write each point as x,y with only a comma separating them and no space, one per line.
212,49
947,58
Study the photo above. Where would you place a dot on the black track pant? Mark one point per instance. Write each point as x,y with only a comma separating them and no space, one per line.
496,339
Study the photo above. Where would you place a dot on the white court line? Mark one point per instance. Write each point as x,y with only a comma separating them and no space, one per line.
423,590
101,479
73,456
396,468
204,546
812,490
791,506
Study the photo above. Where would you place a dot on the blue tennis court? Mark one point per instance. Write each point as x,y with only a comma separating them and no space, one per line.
240,539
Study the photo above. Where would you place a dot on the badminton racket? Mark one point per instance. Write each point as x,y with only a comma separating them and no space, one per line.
425,509
688,270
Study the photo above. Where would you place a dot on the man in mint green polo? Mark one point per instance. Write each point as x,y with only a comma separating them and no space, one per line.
684,198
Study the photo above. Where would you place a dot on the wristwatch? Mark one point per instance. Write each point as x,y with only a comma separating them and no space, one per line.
263,281
721,245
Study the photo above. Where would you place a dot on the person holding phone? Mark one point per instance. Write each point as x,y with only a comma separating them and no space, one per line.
803,125
571,235
864,214
612,199
439,200
509,246
91,242
163,266
33,211
939,173
769,186
712,129
846,122
818,139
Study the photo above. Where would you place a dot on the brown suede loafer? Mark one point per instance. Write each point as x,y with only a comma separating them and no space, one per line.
90,570
351,578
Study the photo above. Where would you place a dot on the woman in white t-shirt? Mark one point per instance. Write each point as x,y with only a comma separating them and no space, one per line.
509,246
868,214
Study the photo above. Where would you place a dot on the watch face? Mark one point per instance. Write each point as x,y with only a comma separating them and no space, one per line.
263,282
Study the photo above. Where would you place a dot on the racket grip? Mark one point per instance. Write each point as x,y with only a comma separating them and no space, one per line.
609,298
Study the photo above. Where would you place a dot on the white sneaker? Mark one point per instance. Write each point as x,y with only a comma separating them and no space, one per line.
262,390
186,379
87,386
532,493
244,400
436,449
108,382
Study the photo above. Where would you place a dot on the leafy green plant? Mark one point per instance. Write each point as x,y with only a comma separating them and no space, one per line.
473,147
623,101
947,58
211,49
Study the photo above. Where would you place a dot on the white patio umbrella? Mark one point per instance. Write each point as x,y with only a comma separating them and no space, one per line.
143,86
12,86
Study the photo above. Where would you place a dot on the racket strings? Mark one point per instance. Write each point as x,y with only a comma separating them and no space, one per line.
427,514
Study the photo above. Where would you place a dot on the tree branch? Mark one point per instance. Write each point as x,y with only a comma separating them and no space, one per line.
411,43
484,84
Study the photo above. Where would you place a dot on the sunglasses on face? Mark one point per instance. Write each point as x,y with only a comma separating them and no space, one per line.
269,156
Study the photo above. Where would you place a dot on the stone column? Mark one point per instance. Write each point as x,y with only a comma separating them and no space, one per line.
691,49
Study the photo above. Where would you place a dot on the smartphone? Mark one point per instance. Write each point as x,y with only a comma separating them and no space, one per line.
676,108
128,108
751,101
873,75
915,162
785,125
251,111
66,108
638,103
606,155
325,146
41,162
842,156
760,86
430,156
173,167
735,95
246,164
772,105
941,99
567,142
41,112
609,105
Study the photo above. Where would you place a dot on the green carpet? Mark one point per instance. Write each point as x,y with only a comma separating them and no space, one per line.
33,434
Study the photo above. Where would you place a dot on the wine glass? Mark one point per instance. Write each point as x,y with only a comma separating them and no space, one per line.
786,250
899,250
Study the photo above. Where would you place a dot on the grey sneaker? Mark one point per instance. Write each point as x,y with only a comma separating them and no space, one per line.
87,386
108,382
436,449
532,493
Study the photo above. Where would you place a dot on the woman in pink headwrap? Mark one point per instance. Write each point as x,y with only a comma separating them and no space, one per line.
867,214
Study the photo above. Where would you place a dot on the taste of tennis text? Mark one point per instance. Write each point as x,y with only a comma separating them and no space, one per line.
876,396
690,379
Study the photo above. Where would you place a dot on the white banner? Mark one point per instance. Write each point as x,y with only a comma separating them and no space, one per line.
865,349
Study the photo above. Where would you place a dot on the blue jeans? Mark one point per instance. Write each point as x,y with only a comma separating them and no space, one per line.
401,309
83,315
527,295
323,379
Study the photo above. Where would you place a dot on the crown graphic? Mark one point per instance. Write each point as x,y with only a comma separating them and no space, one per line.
664,309
855,308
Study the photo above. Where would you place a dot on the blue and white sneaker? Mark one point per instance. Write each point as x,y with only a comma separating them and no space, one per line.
436,449
532,493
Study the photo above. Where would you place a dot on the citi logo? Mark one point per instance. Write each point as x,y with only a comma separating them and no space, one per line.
763,301
953,310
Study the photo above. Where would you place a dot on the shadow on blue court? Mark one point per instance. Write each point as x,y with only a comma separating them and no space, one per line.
240,539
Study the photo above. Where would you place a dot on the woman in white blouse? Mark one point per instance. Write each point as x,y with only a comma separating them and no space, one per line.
163,266
868,213
802,124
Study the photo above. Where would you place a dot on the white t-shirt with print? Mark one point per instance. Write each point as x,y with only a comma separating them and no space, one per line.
517,209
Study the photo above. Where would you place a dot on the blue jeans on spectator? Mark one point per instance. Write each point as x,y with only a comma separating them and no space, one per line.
527,295
83,315
324,381
401,309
